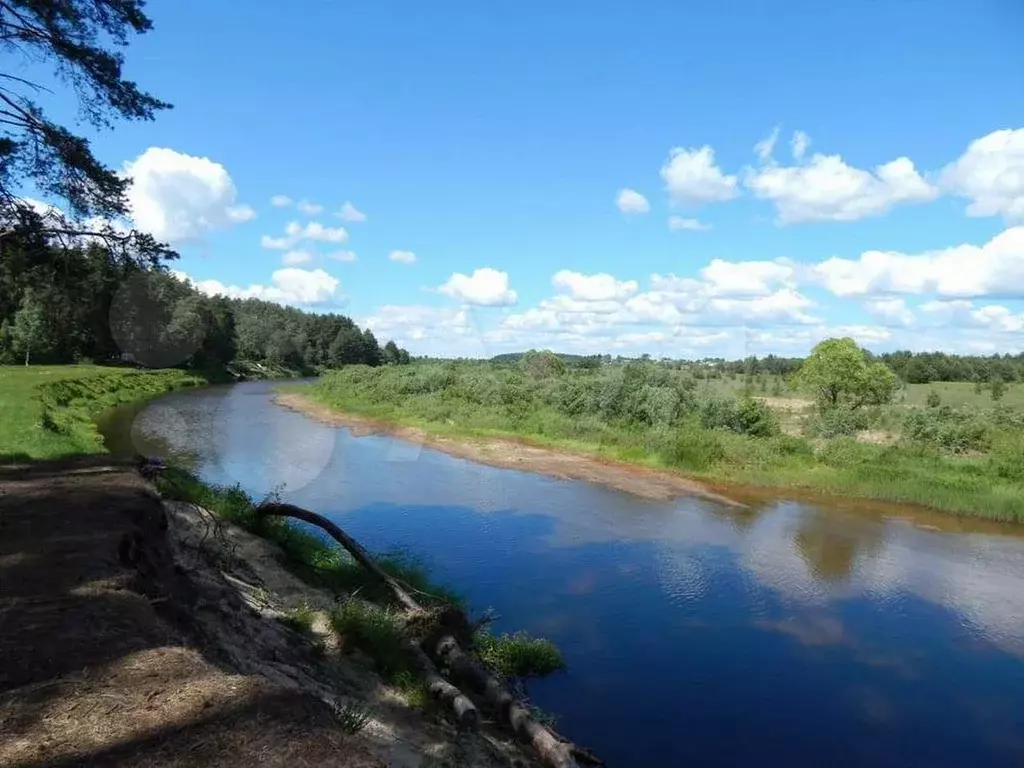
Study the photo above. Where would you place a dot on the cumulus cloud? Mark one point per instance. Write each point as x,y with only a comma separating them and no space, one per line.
691,176
403,257
963,313
180,198
599,287
991,174
280,201
342,256
631,201
680,224
290,285
295,258
746,278
890,311
308,208
486,287
993,269
295,233
350,213
826,188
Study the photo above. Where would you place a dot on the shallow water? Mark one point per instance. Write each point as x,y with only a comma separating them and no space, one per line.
789,634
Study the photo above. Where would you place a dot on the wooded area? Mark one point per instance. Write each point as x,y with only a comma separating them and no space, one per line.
93,303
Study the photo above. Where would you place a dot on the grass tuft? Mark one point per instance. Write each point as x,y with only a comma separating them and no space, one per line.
519,655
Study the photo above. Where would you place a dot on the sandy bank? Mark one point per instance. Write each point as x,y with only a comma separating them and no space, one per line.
513,454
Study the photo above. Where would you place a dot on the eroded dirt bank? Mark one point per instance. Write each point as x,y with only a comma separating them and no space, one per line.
512,454
135,632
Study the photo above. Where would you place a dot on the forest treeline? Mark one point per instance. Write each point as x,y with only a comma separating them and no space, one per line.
910,367
93,303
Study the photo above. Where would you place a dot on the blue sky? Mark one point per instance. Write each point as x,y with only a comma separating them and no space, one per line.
500,138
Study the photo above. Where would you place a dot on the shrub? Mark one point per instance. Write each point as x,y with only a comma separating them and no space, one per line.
352,717
933,400
756,419
1007,458
947,429
839,422
695,448
519,655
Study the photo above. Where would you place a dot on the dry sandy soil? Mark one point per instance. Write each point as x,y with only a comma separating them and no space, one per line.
513,454
138,634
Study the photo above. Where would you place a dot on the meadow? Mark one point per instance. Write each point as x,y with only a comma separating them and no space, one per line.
965,456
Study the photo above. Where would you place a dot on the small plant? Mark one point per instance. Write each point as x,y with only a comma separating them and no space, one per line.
998,389
300,618
933,400
352,717
519,655
377,631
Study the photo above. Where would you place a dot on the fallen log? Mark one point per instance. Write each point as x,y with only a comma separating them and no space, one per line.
555,752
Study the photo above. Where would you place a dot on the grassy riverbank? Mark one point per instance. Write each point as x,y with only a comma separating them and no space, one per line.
47,412
968,463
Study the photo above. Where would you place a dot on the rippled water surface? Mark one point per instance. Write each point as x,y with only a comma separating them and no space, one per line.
784,634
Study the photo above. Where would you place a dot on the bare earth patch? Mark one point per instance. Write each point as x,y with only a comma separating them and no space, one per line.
137,635
513,454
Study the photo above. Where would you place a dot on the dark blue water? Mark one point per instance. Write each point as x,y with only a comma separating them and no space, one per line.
786,634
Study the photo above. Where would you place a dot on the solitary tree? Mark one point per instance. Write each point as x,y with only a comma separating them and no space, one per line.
839,376
82,39
998,389
30,330
389,355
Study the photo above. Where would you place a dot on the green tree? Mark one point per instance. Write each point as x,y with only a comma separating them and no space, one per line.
838,375
83,40
389,355
30,332
347,347
371,354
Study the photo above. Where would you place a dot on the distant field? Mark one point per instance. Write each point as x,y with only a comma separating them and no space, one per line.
46,411
958,394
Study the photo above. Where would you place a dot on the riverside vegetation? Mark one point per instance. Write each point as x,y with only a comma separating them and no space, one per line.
841,423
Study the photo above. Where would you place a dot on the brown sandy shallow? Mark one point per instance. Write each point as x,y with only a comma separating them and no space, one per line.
507,453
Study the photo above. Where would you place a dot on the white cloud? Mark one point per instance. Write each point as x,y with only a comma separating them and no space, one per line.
691,176
294,233
764,148
680,224
746,278
342,256
403,257
280,201
964,313
827,189
799,144
180,198
350,213
295,258
276,243
991,174
995,268
631,201
308,208
486,287
288,286
891,311
599,287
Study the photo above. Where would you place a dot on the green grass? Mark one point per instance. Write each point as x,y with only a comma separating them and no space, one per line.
48,412
960,394
453,402
519,655
300,618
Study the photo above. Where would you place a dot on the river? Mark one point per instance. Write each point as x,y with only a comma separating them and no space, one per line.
789,633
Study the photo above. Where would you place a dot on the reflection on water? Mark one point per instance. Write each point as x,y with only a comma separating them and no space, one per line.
785,633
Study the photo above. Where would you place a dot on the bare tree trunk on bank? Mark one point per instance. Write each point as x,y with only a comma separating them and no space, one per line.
553,750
